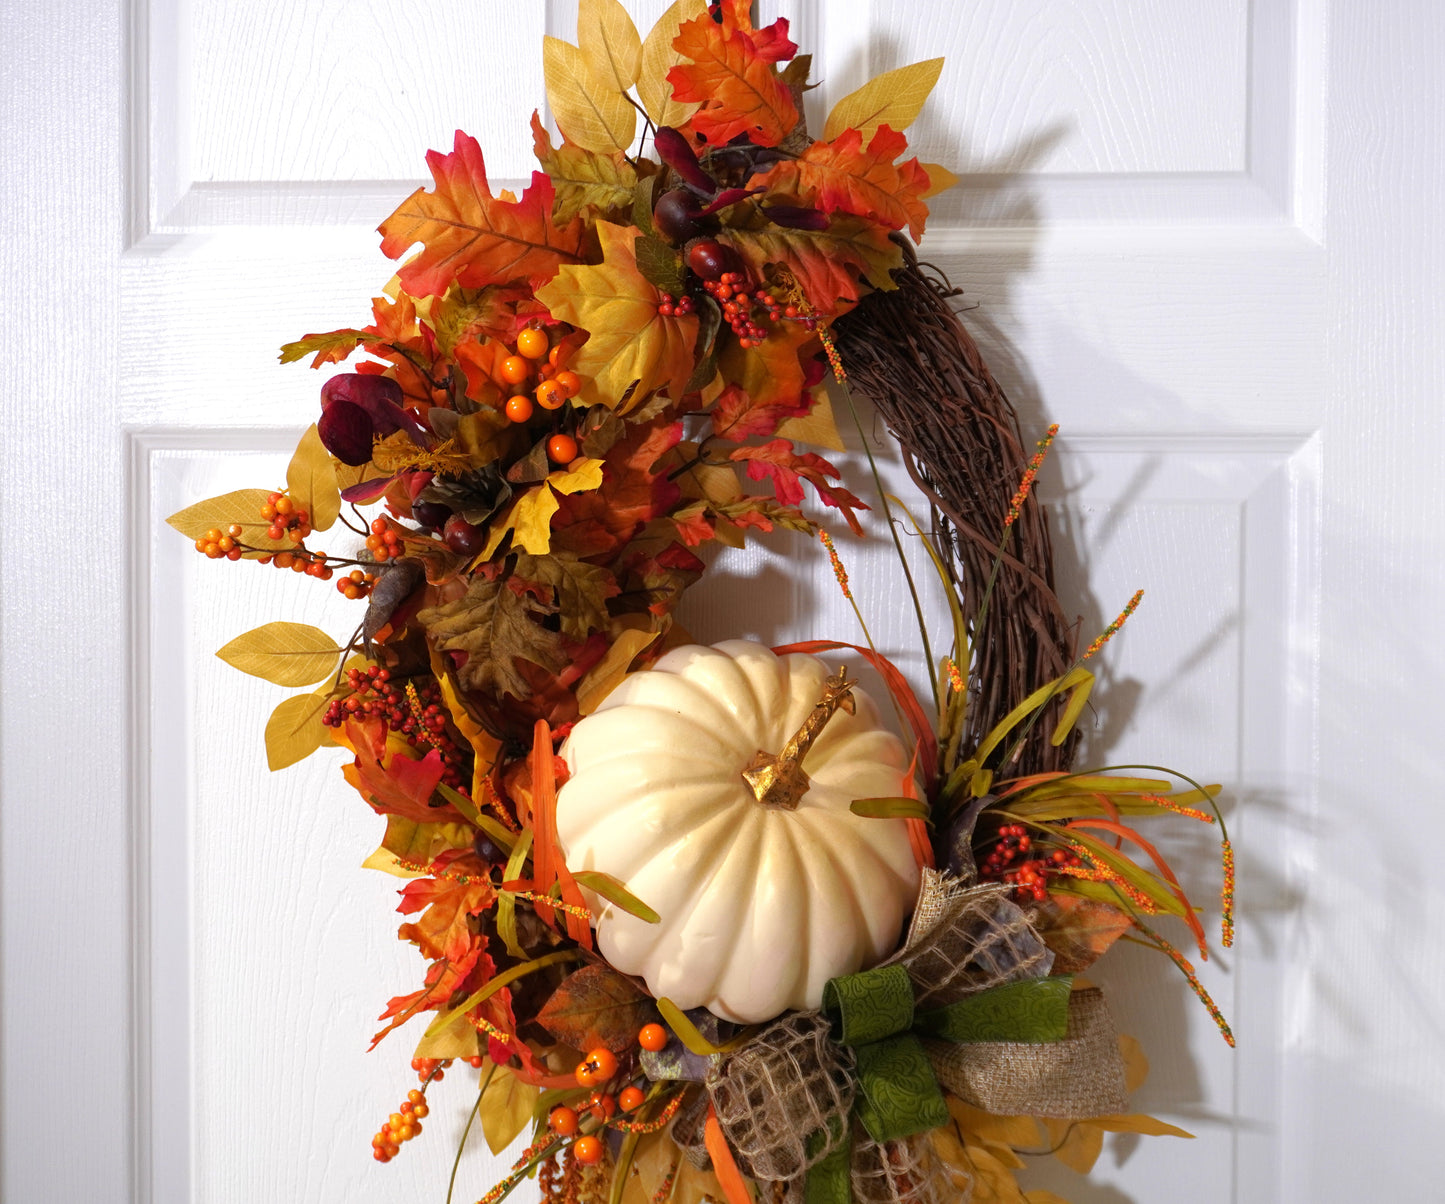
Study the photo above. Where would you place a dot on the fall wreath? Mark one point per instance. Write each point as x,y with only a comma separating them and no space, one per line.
699,916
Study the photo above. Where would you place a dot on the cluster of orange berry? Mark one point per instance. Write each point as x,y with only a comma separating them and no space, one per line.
555,384
384,542
1009,861
595,1071
215,544
739,305
356,584
402,1125
285,519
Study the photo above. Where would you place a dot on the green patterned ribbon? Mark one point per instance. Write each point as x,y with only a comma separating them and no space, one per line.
898,1095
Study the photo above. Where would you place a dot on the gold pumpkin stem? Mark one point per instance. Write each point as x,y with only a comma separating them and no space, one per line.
777,779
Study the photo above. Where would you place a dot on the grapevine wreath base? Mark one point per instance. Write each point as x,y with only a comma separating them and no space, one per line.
703,925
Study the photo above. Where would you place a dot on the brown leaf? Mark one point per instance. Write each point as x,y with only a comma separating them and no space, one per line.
582,590
1079,930
494,627
597,1006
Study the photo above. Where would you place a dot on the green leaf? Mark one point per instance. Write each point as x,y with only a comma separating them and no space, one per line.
660,263
311,480
329,348
614,892
295,730
889,808
289,654
506,901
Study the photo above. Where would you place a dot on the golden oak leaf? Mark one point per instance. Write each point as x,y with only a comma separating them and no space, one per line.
842,175
588,109
734,79
583,179
471,237
824,262
530,518
894,98
609,41
631,350
659,56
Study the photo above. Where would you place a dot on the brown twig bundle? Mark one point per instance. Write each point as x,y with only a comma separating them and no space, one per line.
908,352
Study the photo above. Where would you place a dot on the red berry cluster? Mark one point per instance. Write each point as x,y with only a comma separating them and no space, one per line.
743,306
670,306
1012,860
384,542
286,520
375,696
402,1125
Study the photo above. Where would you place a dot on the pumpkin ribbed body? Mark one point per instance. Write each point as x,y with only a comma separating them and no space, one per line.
759,906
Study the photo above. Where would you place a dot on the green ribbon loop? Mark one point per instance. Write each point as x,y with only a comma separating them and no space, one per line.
872,1012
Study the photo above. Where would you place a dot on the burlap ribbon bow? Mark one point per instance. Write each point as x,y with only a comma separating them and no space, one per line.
953,1011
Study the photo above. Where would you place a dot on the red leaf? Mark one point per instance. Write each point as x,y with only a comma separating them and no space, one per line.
739,415
443,980
786,468
394,784
442,931
732,76
472,237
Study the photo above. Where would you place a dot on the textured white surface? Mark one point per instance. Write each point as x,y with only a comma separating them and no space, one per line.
1222,276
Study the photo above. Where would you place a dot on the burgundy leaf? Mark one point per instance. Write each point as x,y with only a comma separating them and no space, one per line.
346,429
796,218
673,149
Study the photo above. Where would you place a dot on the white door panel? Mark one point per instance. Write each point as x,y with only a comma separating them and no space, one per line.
1201,237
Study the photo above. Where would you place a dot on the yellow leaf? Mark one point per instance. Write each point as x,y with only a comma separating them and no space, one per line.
1039,1196
894,99
607,674
1019,1132
456,1040
658,57
1136,1064
407,840
289,654
940,179
311,480
295,730
1077,1144
531,520
240,507
609,41
506,1109
1137,1122
588,109
631,349
819,427
582,476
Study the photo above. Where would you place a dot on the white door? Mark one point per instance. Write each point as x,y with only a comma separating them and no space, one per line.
1203,237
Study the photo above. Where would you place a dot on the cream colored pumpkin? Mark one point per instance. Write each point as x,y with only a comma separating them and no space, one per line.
759,906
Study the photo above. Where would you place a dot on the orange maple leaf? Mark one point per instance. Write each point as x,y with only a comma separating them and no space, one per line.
772,374
472,237
445,903
822,261
731,73
631,350
842,175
